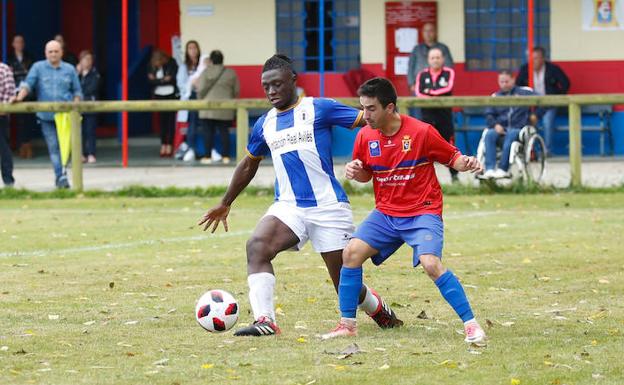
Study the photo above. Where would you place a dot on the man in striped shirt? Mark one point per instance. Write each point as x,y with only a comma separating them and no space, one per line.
309,202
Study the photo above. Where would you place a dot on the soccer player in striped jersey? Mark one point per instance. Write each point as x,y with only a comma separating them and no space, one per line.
309,202
398,153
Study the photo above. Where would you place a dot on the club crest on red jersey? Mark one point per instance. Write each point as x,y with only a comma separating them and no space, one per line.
407,143
374,149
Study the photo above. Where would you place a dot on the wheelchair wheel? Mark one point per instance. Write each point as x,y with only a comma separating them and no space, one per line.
534,159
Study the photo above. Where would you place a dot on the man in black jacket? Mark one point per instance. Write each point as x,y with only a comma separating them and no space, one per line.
548,79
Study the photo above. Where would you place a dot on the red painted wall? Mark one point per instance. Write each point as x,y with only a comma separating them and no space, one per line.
168,23
586,77
78,35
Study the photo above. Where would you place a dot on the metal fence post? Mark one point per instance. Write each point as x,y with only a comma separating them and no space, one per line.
242,132
76,150
574,116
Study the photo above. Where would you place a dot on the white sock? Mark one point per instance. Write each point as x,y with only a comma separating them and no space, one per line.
261,288
469,321
370,303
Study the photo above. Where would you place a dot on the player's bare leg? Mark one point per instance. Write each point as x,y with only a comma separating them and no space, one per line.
369,300
454,294
270,237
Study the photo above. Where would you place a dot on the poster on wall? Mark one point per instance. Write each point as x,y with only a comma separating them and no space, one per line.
404,22
603,15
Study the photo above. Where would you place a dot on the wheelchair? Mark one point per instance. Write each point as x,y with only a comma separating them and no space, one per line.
527,158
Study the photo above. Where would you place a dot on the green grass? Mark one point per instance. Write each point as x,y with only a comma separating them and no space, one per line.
101,290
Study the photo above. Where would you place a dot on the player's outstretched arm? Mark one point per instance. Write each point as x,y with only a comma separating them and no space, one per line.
244,173
355,170
467,163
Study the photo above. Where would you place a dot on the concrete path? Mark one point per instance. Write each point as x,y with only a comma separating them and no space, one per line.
596,173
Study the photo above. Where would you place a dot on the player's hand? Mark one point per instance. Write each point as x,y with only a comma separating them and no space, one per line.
13,99
468,163
215,215
500,129
353,168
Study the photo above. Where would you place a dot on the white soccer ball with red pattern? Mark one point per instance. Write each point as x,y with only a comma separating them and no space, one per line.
216,311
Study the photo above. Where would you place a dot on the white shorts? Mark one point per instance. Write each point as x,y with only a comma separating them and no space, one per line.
328,227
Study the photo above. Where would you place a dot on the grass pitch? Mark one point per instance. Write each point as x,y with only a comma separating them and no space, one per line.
102,291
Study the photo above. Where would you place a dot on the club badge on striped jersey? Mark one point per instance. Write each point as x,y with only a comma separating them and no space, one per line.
407,143
374,149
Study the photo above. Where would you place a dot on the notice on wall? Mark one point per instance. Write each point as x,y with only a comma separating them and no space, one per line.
405,39
401,64
603,15
199,10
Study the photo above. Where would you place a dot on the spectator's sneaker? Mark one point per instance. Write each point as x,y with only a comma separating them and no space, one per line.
488,174
189,156
500,174
262,327
474,333
91,159
182,149
384,316
345,328
205,160
226,160
62,182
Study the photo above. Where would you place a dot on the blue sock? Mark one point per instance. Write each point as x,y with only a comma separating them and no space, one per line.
454,294
349,290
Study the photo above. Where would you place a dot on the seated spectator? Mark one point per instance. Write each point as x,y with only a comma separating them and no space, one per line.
433,81
7,93
504,122
90,84
217,82
548,79
161,74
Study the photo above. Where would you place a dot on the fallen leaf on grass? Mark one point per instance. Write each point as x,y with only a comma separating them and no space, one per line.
422,315
161,362
604,281
20,352
399,305
489,323
302,340
111,284
380,349
207,366
384,367
4,348
448,364
279,311
514,381
507,324
131,323
599,315
88,323
53,317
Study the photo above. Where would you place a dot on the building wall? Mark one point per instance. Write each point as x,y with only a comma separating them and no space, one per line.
245,34
570,43
373,30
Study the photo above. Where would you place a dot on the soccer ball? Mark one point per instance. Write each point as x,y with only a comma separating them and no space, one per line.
216,311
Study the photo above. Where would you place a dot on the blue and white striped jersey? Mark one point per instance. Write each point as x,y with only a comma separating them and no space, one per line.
299,142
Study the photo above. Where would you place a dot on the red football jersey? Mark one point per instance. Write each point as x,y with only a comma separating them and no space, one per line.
404,178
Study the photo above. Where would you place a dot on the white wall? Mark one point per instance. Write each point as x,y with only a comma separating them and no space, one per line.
244,30
569,42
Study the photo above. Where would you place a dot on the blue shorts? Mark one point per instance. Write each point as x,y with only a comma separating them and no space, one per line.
385,233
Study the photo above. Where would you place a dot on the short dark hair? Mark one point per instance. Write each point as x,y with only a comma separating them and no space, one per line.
540,49
506,71
279,62
216,57
379,88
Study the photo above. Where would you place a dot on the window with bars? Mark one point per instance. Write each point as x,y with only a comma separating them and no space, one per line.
298,28
496,32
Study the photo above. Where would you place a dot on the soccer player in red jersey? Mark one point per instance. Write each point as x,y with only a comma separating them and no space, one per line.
398,153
